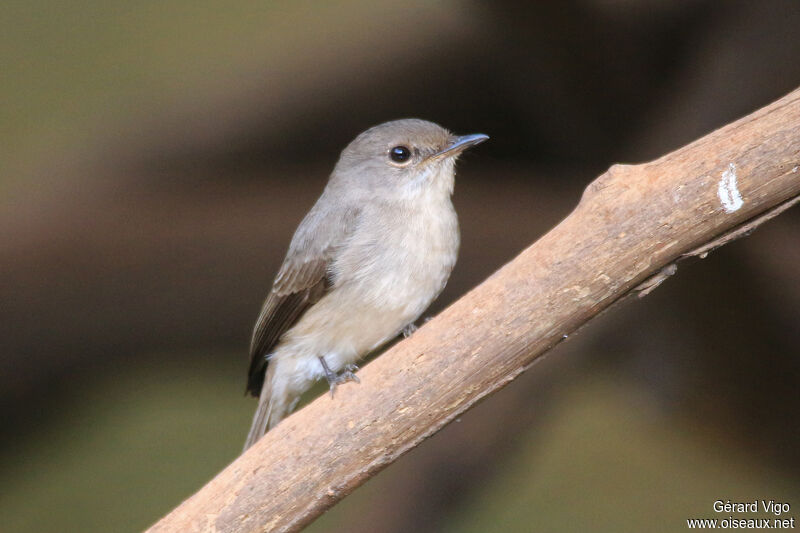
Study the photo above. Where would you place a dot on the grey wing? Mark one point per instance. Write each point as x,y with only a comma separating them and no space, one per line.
303,279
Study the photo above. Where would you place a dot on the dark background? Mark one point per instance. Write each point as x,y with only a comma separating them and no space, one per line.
155,159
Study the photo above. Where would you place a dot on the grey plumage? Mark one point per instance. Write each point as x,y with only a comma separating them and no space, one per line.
370,256
301,282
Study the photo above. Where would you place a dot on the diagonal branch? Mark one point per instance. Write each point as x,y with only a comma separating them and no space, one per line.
632,224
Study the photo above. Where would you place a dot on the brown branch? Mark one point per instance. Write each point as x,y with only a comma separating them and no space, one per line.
632,223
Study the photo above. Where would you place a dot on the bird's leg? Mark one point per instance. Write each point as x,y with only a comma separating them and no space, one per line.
335,379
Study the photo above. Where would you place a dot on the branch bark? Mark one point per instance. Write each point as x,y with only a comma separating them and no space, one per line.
631,226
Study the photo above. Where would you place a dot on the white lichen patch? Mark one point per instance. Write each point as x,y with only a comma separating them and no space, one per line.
728,190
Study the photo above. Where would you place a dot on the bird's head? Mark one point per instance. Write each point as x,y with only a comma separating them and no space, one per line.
408,156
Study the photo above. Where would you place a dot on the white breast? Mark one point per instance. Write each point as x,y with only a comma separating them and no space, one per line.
386,275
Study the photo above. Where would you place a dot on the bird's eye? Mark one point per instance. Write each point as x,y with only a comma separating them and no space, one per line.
399,154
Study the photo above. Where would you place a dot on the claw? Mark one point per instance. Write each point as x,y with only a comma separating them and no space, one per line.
409,330
335,379
349,369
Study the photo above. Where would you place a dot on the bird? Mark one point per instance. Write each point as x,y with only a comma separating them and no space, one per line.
371,255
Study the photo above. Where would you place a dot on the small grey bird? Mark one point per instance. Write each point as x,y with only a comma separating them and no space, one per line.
372,254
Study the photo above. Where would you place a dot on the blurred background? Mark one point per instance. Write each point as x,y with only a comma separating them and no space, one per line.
156,157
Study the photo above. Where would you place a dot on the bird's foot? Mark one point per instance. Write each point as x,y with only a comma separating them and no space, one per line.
334,379
409,330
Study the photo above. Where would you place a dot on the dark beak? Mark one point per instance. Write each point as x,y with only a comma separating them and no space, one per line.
459,144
